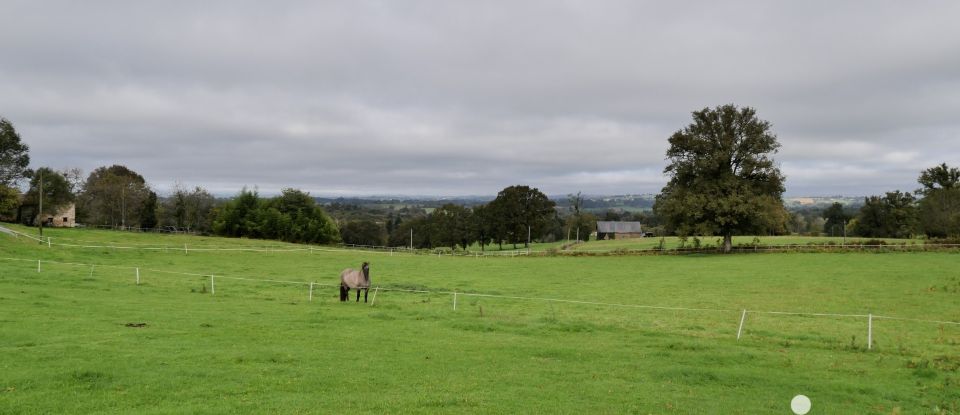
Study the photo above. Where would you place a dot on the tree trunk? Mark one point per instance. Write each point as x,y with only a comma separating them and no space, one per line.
727,243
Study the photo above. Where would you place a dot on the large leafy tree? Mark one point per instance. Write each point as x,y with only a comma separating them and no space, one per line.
939,210
9,201
363,232
14,156
483,226
939,214
191,210
238,217
303,220
893,215
723,180
494,217
452,225
200,207
836,218
14,159
519,211
115,196
293,216
148,211
939,177
417,227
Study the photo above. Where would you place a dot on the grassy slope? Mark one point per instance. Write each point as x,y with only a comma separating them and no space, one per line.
258,347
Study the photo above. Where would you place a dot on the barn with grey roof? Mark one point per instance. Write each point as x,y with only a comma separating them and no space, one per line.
619,229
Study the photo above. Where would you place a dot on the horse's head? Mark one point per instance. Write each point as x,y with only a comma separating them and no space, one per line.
366,270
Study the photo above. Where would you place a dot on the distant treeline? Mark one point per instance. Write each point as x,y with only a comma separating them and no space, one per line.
293,216
589,203
117,196
120,197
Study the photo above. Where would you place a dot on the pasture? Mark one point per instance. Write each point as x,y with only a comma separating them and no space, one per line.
77,337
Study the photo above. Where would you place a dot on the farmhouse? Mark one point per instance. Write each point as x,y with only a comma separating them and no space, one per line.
65,217
618,229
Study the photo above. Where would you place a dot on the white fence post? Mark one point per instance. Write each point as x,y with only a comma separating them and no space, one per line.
48,241
92,266
310,298
138,275
454,301
869,331
38,265
184,248
212,289
742,318
374,299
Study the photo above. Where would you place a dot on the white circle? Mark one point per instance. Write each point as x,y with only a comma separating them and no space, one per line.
800,404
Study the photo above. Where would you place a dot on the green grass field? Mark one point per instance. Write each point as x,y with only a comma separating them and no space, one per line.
262,347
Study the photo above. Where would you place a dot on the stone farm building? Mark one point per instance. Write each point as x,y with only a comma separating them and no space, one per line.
65,217
614,230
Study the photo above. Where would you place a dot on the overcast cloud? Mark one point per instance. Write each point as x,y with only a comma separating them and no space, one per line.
465,98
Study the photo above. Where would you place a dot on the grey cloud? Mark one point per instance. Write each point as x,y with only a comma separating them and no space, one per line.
454,98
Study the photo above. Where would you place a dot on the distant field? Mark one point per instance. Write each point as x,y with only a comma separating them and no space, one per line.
673,242
257,346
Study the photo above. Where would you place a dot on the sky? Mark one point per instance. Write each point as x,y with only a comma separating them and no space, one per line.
454,98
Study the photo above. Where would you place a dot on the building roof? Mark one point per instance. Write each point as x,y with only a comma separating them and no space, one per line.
618,227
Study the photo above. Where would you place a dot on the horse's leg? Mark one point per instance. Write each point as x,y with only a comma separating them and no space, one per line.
358,294
343,293
366,291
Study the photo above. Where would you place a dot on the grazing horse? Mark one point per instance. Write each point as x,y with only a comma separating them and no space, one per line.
359,280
